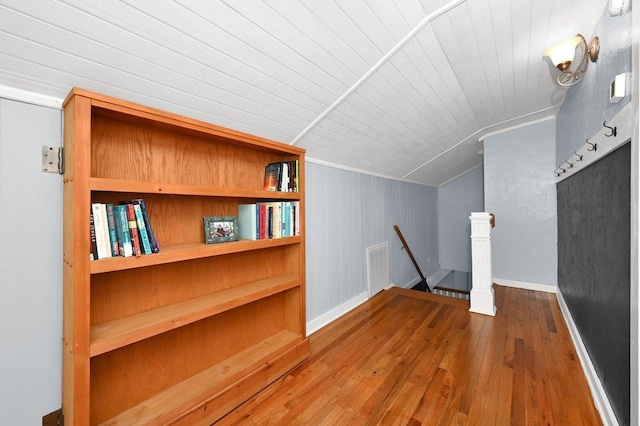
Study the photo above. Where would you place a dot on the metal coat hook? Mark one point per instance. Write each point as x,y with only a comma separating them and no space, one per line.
614,130
594,146
570,164
579,156
555,172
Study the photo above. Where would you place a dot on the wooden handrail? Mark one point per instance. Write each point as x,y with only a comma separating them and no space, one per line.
413,259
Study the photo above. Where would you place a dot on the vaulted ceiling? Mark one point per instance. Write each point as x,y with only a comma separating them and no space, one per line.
402,89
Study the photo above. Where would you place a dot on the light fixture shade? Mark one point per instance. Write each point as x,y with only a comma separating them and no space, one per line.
618,7
562,54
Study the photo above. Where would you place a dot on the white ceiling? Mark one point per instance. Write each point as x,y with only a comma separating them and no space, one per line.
402,89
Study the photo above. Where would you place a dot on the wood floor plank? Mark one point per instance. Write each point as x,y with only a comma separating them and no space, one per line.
411,358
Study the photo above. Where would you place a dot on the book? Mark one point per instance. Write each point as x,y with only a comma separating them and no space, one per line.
133,228
263,222
125,248
248,228
105,228
142,230
155,247
93,254
283,184
101,237
276,219
296,218
271,176
113,236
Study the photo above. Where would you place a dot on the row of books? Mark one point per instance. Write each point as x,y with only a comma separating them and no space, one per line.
268,220
121,229
281,176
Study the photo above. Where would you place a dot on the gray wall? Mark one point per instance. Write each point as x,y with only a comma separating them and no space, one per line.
456,200
519,189
348,212
587,104
30,265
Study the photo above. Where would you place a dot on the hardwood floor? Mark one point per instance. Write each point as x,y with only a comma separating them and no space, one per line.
410,358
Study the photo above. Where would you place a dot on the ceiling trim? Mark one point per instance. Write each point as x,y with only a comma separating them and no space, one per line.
30,97
364,172
517,126
475,134
438,12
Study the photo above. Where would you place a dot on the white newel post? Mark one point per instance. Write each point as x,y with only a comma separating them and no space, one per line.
482,297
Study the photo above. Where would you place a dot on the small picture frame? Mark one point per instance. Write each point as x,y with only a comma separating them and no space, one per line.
219,229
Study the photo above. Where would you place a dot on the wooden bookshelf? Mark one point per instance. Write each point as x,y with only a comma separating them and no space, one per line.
184,335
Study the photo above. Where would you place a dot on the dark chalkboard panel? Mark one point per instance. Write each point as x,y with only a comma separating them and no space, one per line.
594,267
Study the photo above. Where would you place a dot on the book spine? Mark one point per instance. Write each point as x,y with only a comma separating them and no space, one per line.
101,237
284,177
122,230
142,229
113,236
295,185
263,221
155,247
93,254
105,228
277,220
296,217
133,229
246,221
287,219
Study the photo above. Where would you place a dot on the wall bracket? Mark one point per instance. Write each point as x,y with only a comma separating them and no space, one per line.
53,159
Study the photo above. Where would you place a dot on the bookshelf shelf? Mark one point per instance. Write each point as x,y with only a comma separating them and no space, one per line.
186,252
197,391
118,185
186,334
124,331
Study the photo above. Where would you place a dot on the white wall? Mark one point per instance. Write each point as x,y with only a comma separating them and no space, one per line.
30,265
456,200
519,188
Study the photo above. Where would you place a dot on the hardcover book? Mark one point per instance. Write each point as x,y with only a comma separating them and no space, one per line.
113,236
142,229
133,229
104,251
155,247
93,255
272,176
248,227
122,230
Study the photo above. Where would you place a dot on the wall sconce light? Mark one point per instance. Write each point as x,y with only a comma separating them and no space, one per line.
562,55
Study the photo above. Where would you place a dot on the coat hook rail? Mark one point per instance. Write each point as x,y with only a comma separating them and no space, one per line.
613,130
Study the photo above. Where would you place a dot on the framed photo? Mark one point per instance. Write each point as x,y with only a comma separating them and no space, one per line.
218,229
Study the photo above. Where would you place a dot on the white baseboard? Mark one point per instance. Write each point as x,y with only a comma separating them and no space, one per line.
410,284
597,391
547,288
324,319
